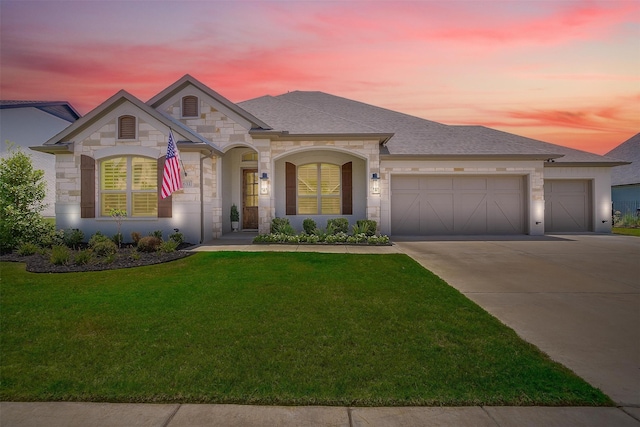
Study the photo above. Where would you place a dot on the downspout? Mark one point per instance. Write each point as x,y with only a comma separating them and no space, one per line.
202,198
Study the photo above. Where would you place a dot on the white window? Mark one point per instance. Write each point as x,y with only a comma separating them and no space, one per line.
319,189
129,184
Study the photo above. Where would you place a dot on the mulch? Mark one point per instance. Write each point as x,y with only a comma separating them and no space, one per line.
125,258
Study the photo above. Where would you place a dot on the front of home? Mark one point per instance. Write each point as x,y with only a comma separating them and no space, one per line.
313,155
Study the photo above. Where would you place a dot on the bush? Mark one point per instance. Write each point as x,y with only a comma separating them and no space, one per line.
83,257
104,248
177,237
96,238
309,226
60,255
72,237
26,249
117,239
149,244
157,234
135,236
282,226
366,226
168,246
337,225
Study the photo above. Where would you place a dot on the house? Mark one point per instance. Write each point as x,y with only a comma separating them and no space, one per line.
625,180
26,123
314,155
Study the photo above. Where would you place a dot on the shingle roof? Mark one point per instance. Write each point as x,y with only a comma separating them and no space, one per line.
60,109
628,151
313,112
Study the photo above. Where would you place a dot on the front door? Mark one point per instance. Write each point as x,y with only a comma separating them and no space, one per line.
250,199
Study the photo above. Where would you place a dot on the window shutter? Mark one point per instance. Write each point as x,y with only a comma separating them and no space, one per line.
347,189
87,187
190,106
290,188
164,205
126,127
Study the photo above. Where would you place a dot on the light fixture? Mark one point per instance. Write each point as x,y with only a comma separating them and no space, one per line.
264,183
375,184
538,222
604,220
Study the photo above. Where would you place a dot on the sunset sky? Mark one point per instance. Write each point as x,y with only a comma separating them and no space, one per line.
566,72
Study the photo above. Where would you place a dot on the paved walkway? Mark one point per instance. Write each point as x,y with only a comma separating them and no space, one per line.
575,297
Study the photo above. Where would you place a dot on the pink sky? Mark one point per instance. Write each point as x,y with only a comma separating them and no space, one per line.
566,72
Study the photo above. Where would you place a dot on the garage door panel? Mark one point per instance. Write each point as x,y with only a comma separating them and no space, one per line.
567,206
458,205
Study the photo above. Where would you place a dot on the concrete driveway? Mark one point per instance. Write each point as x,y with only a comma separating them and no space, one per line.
576,297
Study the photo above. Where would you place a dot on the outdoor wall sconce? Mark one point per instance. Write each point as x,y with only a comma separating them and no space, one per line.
538,222
264,183
375,184
604,220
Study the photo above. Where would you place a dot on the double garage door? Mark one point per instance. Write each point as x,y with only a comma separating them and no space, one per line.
465,205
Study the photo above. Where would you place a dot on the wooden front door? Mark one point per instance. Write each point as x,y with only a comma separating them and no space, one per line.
250,190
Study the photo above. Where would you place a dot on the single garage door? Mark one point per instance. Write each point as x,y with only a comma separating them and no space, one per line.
567,205
445,205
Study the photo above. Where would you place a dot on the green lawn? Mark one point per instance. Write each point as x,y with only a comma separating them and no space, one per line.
267,328
626,231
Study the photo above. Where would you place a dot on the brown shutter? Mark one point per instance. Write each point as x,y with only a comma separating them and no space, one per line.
126,127
87,187
165,205
291,205
347,189
190,106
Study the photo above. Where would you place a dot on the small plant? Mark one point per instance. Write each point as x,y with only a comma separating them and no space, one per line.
118,239
97,237
110,259
26,249
149,244
104,248
134,255
235,214
83,257
118,215
168,246
282,226
157,234
72,237
135,236
366,226
309,226
338,225
60,255
177,237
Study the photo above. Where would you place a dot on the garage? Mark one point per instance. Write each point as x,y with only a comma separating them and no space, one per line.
457,205
567,205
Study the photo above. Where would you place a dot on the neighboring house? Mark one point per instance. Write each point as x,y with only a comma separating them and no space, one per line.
313,155
26,123
625,180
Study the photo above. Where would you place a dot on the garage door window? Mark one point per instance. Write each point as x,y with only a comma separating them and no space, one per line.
319,189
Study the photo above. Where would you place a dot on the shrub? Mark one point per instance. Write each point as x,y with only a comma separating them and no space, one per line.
309,226
72,237
60,255
338,225
135,236
51,237
366,226
96,238
26,249
177,237
149,244
134,255
83,257
157,234
168,246
282,226
104,248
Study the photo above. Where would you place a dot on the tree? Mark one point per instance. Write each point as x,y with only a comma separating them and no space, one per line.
22,193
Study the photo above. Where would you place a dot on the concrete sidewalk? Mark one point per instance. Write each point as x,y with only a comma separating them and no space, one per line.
64,414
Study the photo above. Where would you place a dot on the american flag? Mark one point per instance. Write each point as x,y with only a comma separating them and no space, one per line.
171,178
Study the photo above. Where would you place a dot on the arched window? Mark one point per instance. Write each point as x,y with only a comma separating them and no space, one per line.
319,189
190,106
126,127
129,184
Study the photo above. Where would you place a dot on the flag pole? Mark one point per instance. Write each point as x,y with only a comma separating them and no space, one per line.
181,164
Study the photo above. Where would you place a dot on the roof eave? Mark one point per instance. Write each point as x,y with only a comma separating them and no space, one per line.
62,148
538,157
584,164
284,135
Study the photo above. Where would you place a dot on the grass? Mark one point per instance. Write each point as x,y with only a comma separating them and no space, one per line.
626,231
267,328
